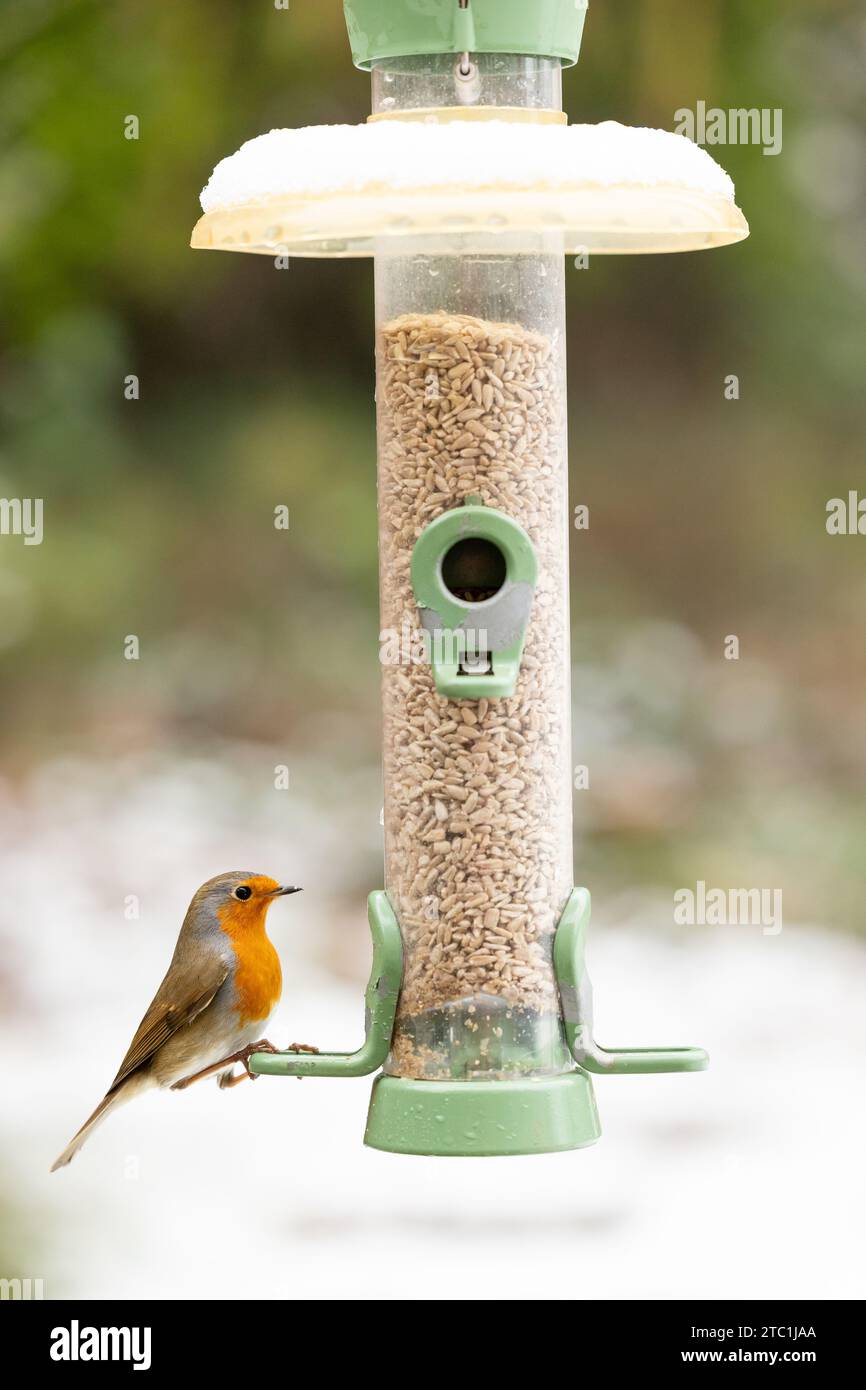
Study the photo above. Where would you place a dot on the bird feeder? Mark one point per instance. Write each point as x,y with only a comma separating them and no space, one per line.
468,188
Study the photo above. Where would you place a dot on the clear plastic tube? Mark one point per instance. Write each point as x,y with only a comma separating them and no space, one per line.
493,79
478,848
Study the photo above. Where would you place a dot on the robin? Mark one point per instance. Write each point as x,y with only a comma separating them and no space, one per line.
222,986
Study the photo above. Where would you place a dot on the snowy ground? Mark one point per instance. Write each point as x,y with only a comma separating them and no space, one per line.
745,1181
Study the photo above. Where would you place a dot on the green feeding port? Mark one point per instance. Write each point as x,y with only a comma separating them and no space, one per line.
474,572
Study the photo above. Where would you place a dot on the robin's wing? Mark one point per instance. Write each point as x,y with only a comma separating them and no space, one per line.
186,990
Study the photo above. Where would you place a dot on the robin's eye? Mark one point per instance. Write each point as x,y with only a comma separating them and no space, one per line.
243,892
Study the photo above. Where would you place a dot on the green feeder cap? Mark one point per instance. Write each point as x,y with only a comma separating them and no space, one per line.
403,28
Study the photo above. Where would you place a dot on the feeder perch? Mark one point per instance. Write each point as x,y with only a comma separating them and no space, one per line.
468,188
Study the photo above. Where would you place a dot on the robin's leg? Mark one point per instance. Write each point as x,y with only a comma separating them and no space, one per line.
227,1079
206,1071
243,1057
263,1045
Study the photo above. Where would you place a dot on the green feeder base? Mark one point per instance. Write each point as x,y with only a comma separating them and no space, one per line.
482,1118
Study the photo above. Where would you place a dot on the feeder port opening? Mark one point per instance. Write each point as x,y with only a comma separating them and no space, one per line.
474,569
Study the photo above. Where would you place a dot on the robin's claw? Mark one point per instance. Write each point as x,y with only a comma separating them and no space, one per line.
301,1047
261,1046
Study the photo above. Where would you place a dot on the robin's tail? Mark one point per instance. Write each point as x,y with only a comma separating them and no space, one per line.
112,1101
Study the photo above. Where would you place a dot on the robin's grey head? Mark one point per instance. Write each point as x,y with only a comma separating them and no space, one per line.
238,890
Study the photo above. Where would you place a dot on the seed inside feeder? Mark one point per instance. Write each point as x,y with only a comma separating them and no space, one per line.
477,793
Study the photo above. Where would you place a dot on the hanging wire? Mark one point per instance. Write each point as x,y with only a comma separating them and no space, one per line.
464,67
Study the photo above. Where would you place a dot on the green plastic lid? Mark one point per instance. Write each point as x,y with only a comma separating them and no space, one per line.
403,28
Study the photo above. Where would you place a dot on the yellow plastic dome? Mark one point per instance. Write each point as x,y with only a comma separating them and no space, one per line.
464,185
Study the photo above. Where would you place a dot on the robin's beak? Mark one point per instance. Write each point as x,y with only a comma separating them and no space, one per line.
284,890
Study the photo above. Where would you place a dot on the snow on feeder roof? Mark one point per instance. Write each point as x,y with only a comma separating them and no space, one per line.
479,184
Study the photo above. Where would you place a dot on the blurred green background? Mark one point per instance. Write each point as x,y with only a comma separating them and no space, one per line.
707,515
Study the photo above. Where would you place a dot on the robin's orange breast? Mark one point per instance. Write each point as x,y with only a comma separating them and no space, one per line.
258,978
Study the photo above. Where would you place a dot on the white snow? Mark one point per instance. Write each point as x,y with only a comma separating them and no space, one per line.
744,1181
415,155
